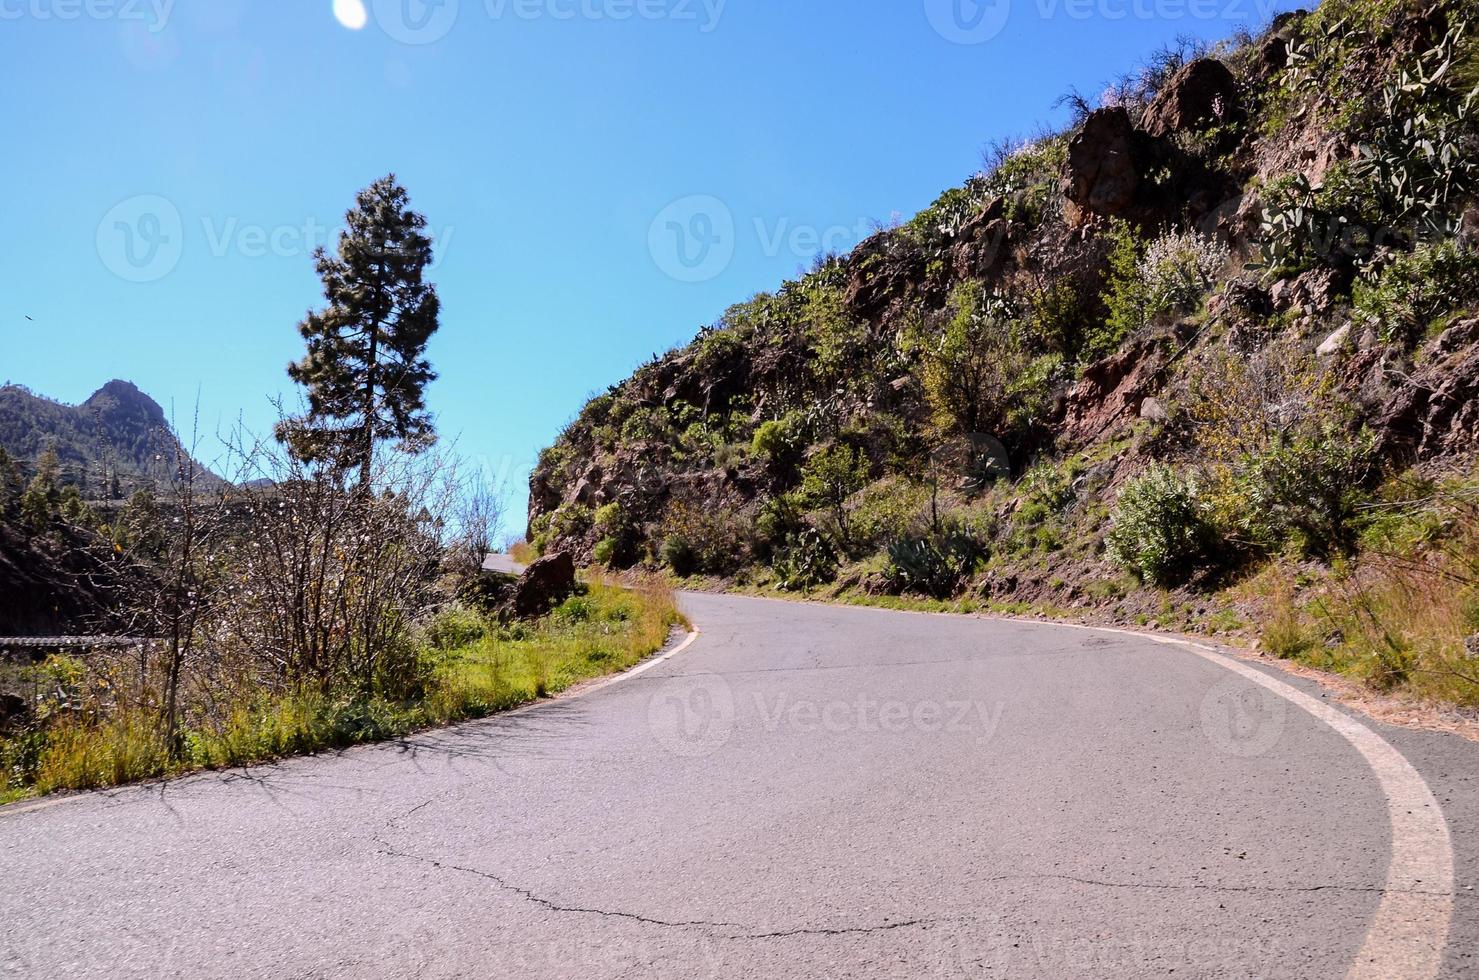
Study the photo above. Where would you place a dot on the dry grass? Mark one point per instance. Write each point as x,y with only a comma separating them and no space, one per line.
1403,623
609,628
1397,616
1286,633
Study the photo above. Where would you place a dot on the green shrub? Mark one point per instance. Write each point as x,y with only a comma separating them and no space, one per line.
570,521
1418,289
677,554
1159,528
1168,277
1307,490
1035,527
609,518
839,343
647,425
20,759
887,509
830,477
455,627
967,368
605,550
1058,316
806,561
575,609
936,561
709,537
1124,297
778,440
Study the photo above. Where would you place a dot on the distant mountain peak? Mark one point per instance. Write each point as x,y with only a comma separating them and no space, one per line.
123,398
119,431
119,388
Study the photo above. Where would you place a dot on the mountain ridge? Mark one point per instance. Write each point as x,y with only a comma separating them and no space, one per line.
117,431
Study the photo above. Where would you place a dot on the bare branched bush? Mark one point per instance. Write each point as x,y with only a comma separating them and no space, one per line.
327,581
163,568
479,517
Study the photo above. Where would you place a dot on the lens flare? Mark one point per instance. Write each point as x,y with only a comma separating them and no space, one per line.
351,13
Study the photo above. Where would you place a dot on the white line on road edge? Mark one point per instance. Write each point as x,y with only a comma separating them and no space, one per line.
16,809
642,667
1410,929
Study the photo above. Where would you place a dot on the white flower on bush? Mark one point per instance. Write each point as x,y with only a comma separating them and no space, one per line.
1178,268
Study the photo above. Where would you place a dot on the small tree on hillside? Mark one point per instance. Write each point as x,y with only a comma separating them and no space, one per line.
11,484
832,476
44,493
968,366
365,372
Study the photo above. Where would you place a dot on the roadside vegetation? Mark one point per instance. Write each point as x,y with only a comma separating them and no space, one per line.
328,591
1205,358
95,719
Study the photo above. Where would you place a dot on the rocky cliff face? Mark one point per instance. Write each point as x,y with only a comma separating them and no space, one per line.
1236,253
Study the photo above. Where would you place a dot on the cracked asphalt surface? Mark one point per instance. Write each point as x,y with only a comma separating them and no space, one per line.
806,791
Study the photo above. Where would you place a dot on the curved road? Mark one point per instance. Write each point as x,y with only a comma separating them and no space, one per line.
805,791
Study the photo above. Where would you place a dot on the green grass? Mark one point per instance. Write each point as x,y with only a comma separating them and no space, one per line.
606,630
1397,614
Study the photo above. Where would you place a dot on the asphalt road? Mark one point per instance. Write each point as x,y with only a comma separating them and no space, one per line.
504,564
804,791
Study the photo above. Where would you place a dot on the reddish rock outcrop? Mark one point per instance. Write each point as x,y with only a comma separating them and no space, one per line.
1201,94
544,585
1102,175
980,248
1111,392
879,274
1436,411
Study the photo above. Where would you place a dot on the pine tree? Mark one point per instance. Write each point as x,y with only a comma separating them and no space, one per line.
11,484
365,372
43,495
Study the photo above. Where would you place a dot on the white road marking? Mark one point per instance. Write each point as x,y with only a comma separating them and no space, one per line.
642,667
1410,929
16,809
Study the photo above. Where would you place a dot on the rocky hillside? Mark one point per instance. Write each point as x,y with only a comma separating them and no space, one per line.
1208,357
119,431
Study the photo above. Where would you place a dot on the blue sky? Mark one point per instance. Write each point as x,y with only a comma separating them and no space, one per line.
171,164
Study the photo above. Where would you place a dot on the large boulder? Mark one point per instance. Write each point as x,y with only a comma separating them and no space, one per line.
545,584
1202,93
980,247
1102,175
1110,167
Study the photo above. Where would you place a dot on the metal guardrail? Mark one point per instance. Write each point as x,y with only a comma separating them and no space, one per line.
67,642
